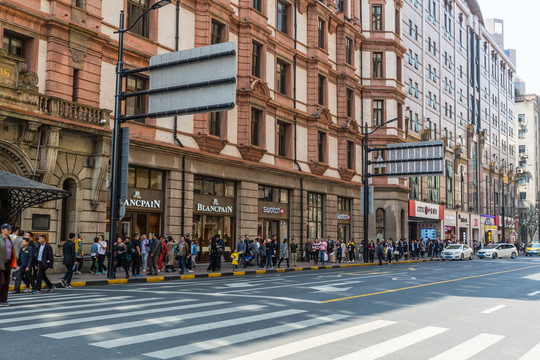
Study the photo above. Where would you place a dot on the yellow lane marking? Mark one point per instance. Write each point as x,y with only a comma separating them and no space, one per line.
280,270
260,271
429,284
239,273
117,281
186,277
214,275
298,269
412,269
155,279
78,283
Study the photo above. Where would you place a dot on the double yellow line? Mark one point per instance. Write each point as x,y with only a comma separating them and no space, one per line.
428,284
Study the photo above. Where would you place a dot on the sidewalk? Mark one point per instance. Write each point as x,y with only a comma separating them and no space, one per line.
87,279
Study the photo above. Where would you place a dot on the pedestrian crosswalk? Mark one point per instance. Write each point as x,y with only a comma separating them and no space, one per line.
178,327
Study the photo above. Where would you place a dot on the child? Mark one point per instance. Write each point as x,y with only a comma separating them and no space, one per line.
234,258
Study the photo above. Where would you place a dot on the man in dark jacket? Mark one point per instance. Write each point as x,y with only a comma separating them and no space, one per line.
155,252
69,261
24,263
44,262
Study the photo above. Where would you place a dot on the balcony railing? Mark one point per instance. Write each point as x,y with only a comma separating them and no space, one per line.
73,111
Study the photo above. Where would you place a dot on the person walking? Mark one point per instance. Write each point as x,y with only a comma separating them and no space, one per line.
171,244
163,254
79,254
241,249
8,261
93,255
380,252
322,251
69,260
136,265
145,250
283,253
16,241
102,250
24,263
181,249
294,255
351,246
269,253
121,257
214,254
194,253
315,251
154,254
189,263
45,259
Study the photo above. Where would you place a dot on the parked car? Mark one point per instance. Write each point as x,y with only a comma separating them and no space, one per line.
457,251
495,251
532,249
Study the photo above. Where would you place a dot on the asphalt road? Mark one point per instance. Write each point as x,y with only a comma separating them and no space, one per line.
480,309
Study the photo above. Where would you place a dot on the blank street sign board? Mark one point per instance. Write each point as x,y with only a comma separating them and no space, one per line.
423,158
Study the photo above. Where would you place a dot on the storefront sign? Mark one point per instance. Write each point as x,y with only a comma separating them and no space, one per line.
425,210
144,201
272,210
449,218
214,207
343,217
475,219
463,220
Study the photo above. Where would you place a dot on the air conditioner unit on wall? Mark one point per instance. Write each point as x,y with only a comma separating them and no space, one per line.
519,170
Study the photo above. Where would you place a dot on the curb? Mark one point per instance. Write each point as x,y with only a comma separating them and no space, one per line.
153,279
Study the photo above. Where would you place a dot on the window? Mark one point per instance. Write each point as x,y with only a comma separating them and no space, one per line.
376,17
350,102
521,134
257,5
377,65
79,4
282,9
216,35
282,134
522,149
13,45
76,85
281,77
135,9
213,186
434,189
343,203
321,95
137,104
449,184
378,155
321,147
214,124
145,179
256,59
348,50
340,5
350,154
321,33
256,118
378,111
413,184
522,196
380,224
315,215
273,194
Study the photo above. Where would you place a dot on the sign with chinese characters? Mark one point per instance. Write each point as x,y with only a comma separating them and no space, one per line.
425,210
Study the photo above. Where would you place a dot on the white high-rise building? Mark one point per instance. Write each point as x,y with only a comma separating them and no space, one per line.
459,86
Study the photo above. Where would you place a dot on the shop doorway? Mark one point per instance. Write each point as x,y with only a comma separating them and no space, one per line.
344,232
268,228
206,226
141,223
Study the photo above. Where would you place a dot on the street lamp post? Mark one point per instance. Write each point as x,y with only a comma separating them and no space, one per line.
503,207
118,97
365,180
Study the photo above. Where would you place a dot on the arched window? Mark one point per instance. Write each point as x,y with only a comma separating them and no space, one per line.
380,223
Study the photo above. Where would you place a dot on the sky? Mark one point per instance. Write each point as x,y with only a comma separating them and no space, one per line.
521,32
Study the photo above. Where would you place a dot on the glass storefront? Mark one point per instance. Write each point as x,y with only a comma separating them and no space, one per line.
315,216
344,218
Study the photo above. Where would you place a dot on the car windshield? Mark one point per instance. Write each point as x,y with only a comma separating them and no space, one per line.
453,247
537,245
492,246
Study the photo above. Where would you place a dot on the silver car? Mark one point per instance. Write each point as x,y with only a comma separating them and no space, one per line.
495,251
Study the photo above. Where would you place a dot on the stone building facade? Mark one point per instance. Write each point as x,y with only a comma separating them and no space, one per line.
285,161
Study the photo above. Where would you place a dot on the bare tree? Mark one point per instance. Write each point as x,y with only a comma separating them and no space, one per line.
529,220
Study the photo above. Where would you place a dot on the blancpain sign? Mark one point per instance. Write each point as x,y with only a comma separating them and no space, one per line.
215,207
153,204
137,201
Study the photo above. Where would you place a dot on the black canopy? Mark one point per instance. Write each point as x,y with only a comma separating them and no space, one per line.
18,193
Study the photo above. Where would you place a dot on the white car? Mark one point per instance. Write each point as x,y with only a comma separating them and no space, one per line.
457,251
495,251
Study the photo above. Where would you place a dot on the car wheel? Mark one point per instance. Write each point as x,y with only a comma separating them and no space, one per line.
494,255
461,257
470,257
442,259
513,256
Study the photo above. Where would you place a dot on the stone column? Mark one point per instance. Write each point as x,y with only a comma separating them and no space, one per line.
247,209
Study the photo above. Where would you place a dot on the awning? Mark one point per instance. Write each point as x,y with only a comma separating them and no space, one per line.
18,193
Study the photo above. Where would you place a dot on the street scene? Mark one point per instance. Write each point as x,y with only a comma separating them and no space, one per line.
477,309
296,179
